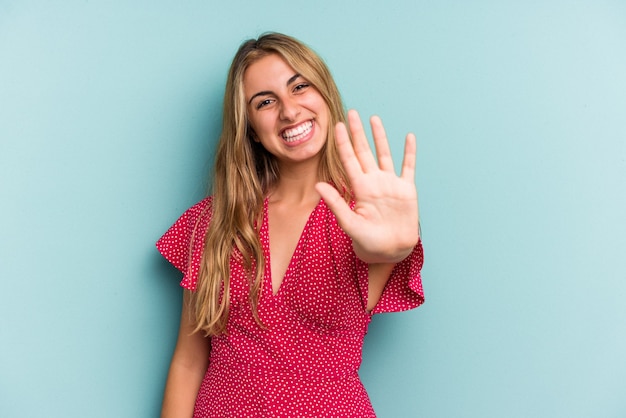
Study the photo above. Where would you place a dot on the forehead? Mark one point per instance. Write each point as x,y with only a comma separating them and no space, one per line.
267,73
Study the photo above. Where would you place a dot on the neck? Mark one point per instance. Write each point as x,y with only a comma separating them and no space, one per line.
296,184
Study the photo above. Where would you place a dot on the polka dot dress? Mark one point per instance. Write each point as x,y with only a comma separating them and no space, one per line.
304,363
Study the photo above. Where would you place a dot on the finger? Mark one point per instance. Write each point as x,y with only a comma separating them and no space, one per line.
346,152
336,203
410,156
359,142
385,162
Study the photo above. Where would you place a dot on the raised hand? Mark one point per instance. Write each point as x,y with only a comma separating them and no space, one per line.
384,222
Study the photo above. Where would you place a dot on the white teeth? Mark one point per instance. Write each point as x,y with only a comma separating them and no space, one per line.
297,133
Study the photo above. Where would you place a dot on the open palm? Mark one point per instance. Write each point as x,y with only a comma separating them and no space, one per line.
384,222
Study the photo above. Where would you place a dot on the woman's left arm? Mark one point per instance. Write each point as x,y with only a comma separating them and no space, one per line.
384,222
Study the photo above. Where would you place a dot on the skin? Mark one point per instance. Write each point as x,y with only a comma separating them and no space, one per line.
187,368
383,224
279,101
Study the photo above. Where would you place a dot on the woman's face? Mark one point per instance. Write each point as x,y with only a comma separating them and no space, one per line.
288,115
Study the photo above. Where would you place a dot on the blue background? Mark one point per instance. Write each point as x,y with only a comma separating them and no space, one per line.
109,113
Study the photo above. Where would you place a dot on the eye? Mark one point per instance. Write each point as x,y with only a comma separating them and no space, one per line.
300,87
263,103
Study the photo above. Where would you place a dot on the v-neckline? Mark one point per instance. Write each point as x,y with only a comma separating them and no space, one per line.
268,258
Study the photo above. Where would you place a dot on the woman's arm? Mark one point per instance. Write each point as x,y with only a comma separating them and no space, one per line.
384,224
188,366
378,276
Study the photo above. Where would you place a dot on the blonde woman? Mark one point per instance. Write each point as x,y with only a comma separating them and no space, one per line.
304,236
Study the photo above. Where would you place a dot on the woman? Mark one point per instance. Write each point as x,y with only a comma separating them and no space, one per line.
303,238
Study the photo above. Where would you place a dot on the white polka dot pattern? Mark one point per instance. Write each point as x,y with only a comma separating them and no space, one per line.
305,362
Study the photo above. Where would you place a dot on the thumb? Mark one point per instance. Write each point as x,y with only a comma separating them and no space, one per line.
336,203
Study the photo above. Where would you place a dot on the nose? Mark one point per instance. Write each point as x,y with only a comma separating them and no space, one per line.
289,109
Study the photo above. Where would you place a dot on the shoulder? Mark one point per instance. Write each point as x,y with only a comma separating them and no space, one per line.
194,219
198,214
202,208
186,236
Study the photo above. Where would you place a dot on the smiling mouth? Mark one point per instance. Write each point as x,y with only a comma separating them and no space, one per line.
297,133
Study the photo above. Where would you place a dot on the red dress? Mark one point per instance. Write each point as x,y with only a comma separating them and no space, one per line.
305,363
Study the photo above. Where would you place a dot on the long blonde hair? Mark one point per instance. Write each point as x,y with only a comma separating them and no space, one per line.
244,172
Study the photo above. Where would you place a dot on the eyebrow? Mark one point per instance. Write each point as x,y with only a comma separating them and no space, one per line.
267,92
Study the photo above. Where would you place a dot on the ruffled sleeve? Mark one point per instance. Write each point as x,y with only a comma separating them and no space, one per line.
404,289
183,243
